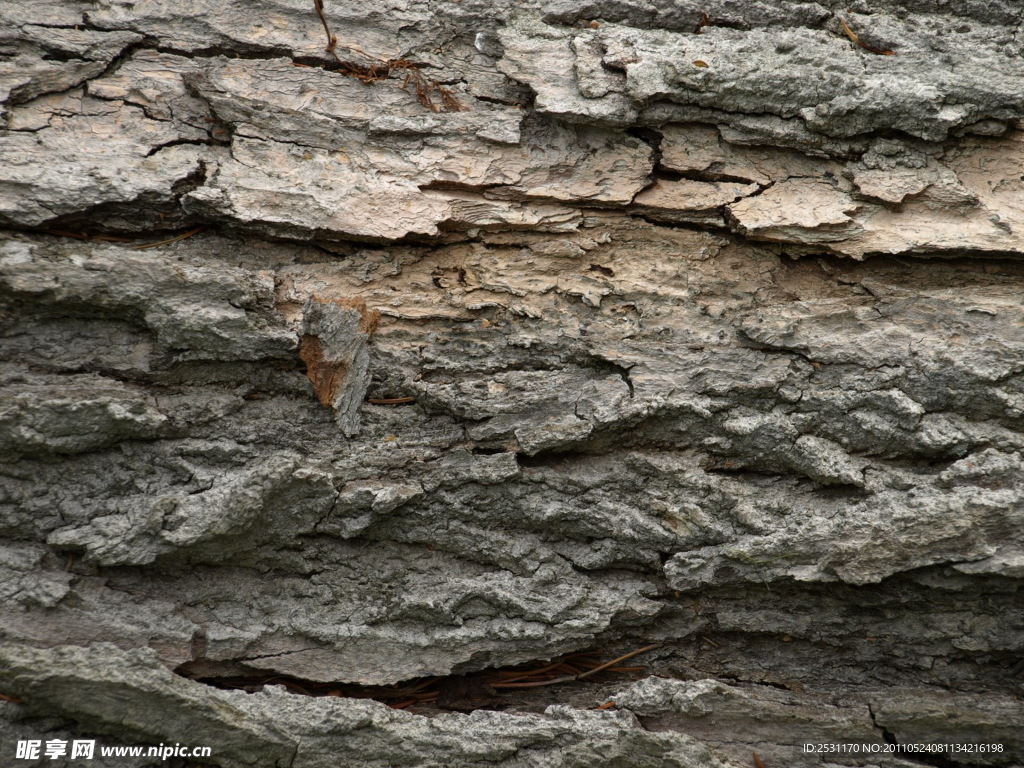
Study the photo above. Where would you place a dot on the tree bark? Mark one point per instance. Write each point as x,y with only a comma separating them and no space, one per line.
354,349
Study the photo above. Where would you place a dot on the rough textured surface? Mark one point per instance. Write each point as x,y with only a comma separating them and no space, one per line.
699,331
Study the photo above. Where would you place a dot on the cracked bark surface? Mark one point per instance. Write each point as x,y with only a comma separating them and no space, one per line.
699,334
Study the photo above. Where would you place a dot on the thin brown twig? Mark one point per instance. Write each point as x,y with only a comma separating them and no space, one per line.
191,232
514,675
331,39
581,675
390,400
427,90
850,34
63,233
537,683
511,677
613,662
757,761
420,686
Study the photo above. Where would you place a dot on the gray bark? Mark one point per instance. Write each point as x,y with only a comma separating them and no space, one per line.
514,331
